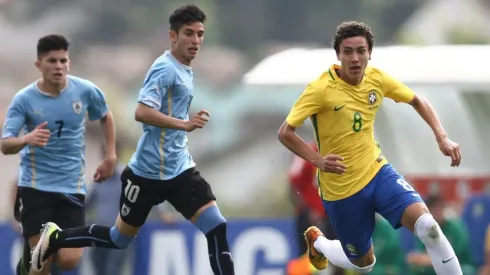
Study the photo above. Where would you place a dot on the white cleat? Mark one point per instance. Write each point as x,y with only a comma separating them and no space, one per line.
38,257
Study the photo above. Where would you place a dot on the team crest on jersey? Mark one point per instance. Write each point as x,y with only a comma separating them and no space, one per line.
351,249
372,97
125,210
77,106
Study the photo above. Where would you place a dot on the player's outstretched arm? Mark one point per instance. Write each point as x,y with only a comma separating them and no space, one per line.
288,137
397,91
330,163
15,119
151,116
39,137
109,130
311,101
13,145
427,112
106,169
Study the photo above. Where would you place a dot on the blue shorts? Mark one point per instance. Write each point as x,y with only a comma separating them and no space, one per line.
353,218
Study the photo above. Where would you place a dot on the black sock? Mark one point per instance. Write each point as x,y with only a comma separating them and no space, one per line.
219,253
19,267
24,263
93,235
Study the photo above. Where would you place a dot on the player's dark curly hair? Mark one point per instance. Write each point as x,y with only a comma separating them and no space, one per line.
52,42
186,15
352,29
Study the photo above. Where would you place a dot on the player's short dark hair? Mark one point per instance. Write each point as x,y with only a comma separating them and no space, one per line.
352,29
52,42
186,15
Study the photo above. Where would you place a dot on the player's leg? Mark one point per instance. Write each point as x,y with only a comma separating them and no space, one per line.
99,258
37,209
137,199
329,232
192,196
24,263
353,220
400,204
70,213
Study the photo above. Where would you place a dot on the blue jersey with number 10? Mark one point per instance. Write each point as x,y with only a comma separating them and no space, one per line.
162,154
60,166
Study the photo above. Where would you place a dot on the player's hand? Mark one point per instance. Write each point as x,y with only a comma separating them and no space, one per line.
105,170
39,136
330,164
197,121
451,149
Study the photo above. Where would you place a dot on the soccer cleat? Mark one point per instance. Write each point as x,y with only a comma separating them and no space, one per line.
40,255
317,259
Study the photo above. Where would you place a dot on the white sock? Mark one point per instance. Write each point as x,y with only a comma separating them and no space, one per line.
332,249
441,252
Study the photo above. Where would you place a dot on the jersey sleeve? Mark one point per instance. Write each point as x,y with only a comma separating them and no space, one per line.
156,87
97,108
15,118
310,102
396,90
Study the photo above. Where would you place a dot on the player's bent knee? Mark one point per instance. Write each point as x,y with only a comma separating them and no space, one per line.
210,219
69,258
120,240
365,261
427,230
365,269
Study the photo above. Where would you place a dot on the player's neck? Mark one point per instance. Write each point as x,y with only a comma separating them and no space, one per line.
179,57
48,88
343,75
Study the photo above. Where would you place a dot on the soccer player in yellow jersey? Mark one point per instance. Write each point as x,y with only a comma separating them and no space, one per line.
355,179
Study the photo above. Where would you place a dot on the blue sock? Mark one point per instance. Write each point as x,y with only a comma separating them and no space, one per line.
213,225
209,219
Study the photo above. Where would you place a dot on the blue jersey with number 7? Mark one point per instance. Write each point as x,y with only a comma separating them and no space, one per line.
162,154
60,166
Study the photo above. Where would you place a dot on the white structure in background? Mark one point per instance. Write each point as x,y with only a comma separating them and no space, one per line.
433,22
456,79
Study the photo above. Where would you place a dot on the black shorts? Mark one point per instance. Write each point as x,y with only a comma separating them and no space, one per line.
17,207
39,207
187,192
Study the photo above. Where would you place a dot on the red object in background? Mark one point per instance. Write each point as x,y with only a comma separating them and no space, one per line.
303,178
454,190
450,188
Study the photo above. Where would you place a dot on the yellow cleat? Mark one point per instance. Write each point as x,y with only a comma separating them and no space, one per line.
317,259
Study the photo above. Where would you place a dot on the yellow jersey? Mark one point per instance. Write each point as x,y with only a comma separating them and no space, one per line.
343,120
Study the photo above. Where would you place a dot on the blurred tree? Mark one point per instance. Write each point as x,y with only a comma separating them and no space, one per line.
467,35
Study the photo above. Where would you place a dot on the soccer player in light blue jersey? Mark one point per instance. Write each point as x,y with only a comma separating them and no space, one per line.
52,112
161,168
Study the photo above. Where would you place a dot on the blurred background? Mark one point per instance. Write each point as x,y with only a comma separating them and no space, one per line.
257,58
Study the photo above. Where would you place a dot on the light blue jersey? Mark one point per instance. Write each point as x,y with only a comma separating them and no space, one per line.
162,154
60,166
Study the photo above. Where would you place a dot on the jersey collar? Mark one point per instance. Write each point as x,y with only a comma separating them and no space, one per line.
36,84
175,60
333,74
